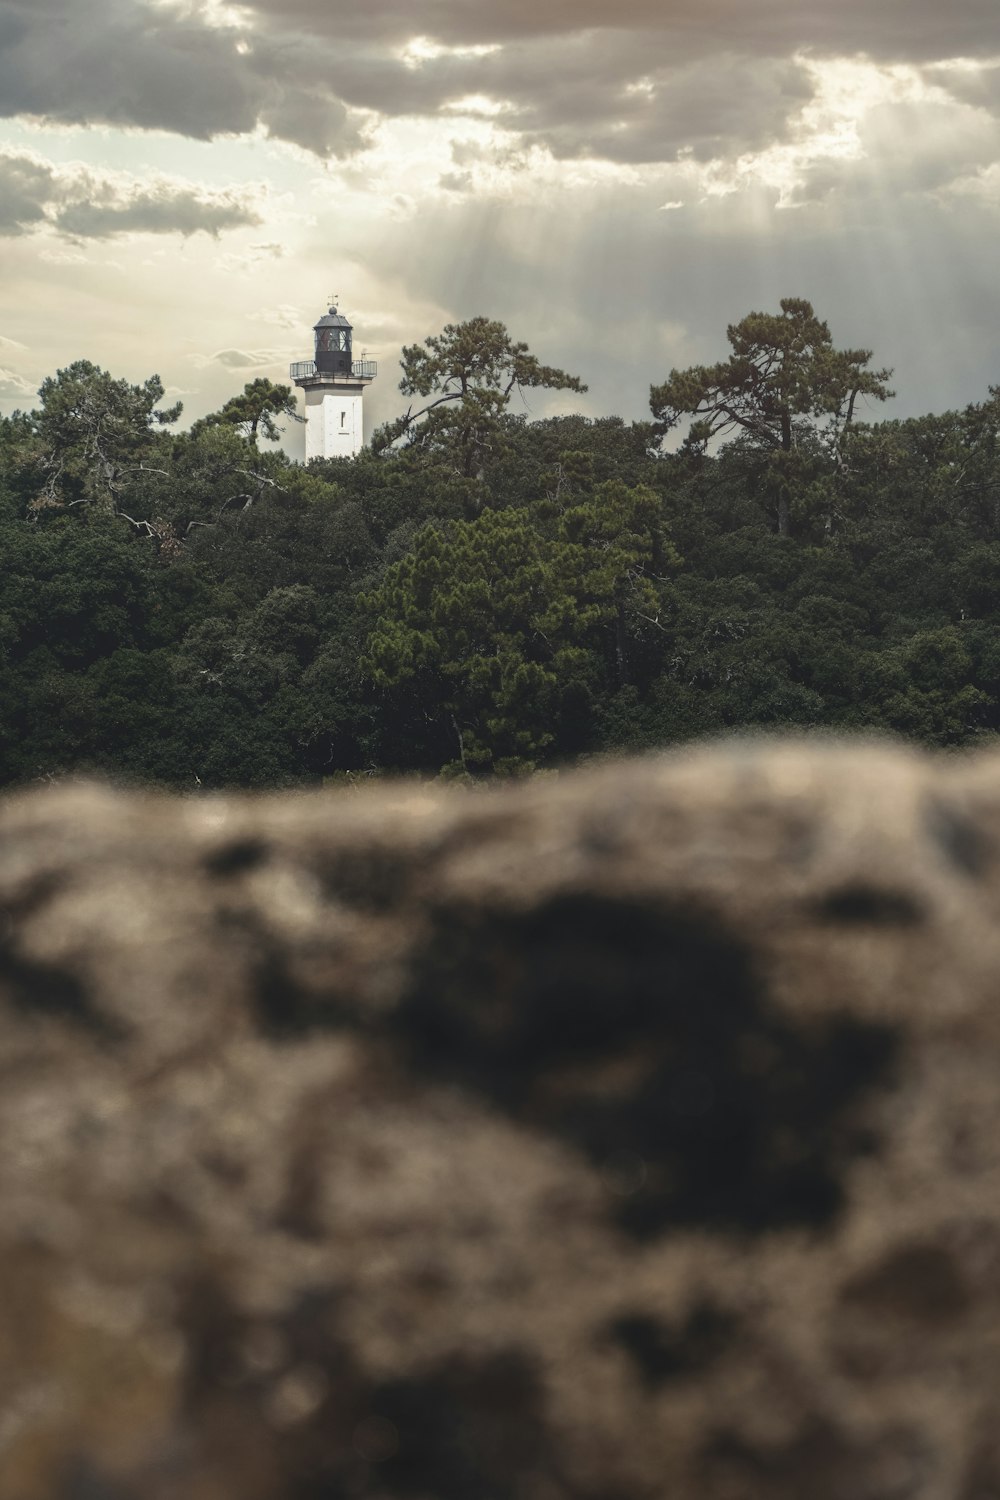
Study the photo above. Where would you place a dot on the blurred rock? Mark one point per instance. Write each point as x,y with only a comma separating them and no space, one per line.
631,1134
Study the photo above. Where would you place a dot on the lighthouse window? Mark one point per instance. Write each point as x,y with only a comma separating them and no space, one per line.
343,419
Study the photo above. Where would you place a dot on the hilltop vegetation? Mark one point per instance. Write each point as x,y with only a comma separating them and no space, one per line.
478,594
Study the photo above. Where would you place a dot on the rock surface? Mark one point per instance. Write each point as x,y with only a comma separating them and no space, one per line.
633,1134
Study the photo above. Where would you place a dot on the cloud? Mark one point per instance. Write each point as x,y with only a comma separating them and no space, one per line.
27,187
283,316
163,209
121,62
177,67
906,148
14,386
769,26
242,359
62,255
637,82
254,255
82,203
968,83
714,107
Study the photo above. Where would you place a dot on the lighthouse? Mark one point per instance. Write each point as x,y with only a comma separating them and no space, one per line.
334,383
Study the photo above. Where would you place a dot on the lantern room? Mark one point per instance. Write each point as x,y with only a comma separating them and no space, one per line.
333,344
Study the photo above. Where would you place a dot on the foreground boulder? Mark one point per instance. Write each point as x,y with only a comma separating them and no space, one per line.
632,1134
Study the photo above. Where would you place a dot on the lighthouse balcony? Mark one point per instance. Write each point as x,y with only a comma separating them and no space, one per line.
361,369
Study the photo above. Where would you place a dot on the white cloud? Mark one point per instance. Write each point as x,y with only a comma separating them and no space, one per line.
83,203
284,316
14,386
242,359
420,50
246,260
62,255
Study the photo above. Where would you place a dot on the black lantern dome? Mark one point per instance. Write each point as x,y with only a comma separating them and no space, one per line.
333,344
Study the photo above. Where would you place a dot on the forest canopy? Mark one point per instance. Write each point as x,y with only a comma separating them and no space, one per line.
478,594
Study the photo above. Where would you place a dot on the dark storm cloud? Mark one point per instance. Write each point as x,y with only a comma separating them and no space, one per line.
86,205
119,62
635,82
912,30
129,63
708,108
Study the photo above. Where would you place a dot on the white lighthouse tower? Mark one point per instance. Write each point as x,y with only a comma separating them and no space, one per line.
334,383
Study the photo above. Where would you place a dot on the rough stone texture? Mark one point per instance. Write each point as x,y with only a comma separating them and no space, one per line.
633,1134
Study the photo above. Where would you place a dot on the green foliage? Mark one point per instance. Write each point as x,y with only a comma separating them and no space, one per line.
785,390
506,625
255,410
77,603
470,370
92,438
489,595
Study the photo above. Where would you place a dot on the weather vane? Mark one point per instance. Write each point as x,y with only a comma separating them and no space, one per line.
334,299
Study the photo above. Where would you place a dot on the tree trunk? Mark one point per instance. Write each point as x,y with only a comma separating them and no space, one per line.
621,638
784,511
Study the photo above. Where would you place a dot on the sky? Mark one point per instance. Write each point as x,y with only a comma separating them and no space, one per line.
184,184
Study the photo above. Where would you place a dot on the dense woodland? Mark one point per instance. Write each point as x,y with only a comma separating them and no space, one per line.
478,594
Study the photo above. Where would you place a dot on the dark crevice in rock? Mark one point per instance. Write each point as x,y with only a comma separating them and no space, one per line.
861,905
236,858
663,1354
468,1425
373,880
35,893
49,989
475,1426
920,1282
643,1035
283,1008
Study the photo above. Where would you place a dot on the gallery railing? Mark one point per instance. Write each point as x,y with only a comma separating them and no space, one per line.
361,369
